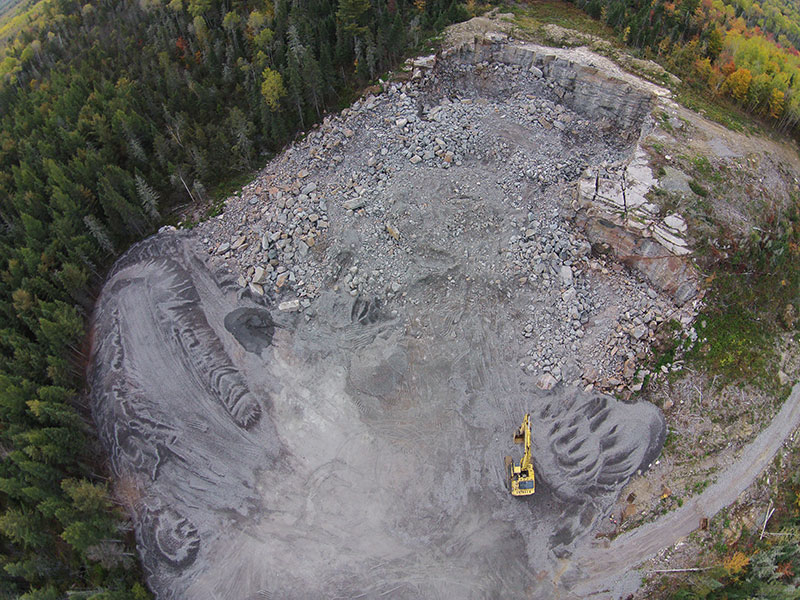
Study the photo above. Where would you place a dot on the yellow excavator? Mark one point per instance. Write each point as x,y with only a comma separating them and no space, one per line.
521,481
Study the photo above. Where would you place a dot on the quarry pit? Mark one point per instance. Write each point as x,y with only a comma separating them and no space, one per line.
312,394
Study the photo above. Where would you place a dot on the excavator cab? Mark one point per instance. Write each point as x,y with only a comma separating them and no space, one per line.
520,477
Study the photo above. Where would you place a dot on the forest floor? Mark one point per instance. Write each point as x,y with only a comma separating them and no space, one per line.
328,373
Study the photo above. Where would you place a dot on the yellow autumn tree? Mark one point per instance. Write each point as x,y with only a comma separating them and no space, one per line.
738,83
736,563
272,88
776,99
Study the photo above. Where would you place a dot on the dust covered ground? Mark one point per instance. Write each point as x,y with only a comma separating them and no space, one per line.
313,394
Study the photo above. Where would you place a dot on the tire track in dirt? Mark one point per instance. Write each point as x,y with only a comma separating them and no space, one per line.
597,570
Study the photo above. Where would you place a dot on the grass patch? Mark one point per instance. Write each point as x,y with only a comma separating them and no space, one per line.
699,486
671,441
697,188
734,344
754,294
717,110
532,15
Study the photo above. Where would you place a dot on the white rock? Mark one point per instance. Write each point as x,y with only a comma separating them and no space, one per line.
672,242
424,62
289,306
566,275
546,382
676,222
259,276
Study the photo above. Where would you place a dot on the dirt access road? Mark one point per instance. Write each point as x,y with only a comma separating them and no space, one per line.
604,570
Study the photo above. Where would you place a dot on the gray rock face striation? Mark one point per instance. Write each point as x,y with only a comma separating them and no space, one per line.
583,81
170,404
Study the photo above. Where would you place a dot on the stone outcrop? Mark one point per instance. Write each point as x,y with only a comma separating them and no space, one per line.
613,208
585,82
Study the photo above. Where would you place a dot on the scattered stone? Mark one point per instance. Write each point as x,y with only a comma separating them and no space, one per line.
546,382
566,275
591,374
289,306
259,275
354,203
424,62
392,231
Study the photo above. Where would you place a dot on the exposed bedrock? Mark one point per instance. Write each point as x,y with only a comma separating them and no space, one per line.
620,103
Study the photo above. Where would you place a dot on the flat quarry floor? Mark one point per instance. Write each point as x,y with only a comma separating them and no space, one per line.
350,443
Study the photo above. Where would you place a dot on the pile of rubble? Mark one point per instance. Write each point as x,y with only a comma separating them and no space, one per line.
506,114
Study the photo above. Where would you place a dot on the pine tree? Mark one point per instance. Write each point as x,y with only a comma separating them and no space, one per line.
148,197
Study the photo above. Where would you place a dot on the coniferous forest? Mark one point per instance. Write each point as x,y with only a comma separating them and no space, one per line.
110,114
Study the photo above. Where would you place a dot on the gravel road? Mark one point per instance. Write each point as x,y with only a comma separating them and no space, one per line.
604,570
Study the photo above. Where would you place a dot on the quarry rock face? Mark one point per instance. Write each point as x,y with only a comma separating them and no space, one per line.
611,202
582,81
312,394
